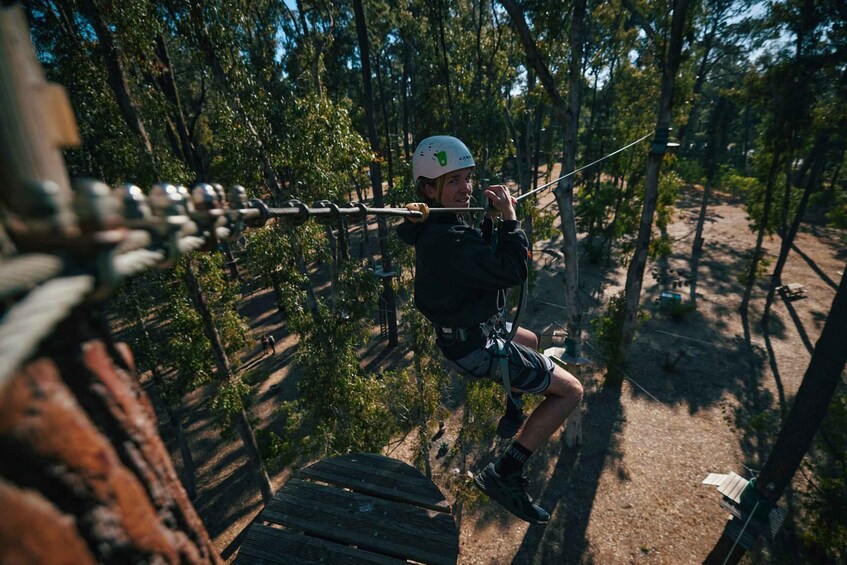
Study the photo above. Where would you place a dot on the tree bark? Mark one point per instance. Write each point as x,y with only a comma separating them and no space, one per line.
711,167
118,78
242,422
757,251
376,172
83,473
803,421
789,235
635,272
568,115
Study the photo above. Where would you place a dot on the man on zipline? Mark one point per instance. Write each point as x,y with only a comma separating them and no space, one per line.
458,277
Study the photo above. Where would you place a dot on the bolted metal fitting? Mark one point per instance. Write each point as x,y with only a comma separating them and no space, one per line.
167,200
361,211
205,197
132,200
236,196
300,216
219,190
95,207
264,213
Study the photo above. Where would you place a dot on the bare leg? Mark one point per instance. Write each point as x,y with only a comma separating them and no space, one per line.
563,395
526,337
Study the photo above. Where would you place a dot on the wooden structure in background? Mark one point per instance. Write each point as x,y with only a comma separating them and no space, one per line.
357,508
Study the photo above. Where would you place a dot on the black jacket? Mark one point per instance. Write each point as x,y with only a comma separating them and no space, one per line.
458,275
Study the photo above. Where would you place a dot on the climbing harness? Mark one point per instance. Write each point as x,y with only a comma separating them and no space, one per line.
152,232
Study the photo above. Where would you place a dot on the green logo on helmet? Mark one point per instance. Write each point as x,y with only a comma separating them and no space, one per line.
442,158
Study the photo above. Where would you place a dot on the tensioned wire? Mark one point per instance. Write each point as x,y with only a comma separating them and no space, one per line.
575,171
132,257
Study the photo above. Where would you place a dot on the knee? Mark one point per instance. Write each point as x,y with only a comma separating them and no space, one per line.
564,384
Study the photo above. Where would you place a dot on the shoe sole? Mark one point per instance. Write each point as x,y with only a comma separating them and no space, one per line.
479,484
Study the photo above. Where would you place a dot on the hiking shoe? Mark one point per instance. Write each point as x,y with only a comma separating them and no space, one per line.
510,492
509,424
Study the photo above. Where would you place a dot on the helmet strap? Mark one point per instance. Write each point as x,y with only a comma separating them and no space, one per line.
440,183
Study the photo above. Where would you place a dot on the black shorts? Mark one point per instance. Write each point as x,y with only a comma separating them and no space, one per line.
529,371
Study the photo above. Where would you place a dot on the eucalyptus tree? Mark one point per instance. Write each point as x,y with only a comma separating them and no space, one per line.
376,170
816,121
567,112
669,54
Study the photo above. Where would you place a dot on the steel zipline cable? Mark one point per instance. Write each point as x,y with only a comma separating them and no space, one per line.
575,171
126,232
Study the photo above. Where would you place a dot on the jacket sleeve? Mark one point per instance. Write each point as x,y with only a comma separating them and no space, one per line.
471,258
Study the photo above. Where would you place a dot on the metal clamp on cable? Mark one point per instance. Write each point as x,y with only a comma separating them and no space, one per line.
660,141
417,207
334,211
298,217
361,211
264,213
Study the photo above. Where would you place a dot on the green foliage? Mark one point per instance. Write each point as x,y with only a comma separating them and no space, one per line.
761,268
485,402
660,247
691,171
822,526
608,331
670,184
837,213
593,206
679,310
227,403
739,185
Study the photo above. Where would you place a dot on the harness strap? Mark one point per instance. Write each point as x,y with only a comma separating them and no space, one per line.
501,366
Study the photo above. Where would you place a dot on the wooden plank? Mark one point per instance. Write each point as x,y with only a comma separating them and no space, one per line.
396,483
397,519
399,530
733,486
714,479
265,544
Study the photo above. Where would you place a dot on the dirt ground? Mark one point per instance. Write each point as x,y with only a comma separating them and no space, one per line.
632,492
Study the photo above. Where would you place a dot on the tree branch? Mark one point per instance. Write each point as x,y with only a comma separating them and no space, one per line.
533,56
642,21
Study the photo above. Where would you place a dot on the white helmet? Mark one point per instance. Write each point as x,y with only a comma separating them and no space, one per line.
439,155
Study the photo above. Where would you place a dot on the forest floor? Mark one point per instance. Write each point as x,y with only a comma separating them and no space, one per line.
632,492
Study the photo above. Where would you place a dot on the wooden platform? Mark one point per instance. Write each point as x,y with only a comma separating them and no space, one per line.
358,508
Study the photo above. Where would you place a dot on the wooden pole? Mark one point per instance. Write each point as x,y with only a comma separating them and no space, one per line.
84,475
36,121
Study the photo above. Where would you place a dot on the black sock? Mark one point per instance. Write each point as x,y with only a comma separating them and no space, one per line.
512,460
513,409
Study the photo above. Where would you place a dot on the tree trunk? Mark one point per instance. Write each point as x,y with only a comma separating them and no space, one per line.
635,273
789,235
803,421
699,81
376,173
173,412
189,468
167,83
207,50
711,167
757,251
110,493
385,123
118,78
440,9
242,422
568,115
